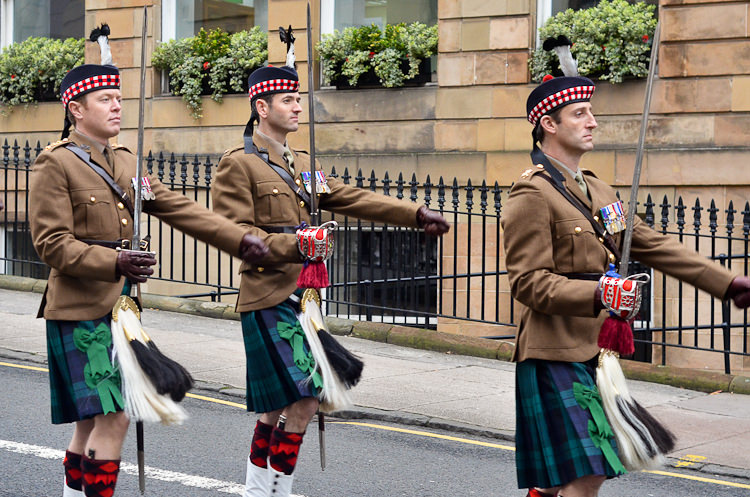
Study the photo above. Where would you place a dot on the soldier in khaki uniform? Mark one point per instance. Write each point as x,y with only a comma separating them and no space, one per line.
256,186
77,221
555,261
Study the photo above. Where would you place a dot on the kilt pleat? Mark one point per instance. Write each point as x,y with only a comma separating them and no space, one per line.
274,381
71,399
553,445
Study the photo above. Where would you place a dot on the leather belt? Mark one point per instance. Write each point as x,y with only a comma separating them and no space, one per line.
279,229
583,276
114,244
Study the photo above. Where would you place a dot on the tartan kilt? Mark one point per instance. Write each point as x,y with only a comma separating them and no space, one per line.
71,398
553,445
274,381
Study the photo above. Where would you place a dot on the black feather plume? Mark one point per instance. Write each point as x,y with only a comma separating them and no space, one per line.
347,366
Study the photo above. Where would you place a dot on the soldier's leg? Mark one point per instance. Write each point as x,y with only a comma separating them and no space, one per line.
72,461
101,460
587,486
257,481
285,444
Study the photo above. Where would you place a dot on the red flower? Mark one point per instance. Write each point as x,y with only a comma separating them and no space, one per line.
603,48
12,76
644,38
372,54
206,65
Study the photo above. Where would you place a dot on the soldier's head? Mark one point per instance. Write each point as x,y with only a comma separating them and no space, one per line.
91,96
560,111
275,100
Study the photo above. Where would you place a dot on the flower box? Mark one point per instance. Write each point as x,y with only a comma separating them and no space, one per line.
371,80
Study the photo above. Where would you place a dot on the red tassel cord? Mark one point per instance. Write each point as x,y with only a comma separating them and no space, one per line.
313,275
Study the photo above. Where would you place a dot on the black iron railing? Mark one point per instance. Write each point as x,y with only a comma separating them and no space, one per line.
398,275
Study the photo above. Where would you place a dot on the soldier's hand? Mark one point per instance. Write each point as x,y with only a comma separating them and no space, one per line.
135,266
252,248
431,222
739,291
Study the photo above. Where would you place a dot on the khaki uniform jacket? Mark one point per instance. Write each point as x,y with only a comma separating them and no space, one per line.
248,191
68,202
545,237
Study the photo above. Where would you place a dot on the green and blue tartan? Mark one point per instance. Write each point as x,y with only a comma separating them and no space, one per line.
70,397
553,445
274,381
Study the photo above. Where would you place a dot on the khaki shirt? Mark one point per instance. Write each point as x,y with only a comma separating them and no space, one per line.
248,191
69,202
545,237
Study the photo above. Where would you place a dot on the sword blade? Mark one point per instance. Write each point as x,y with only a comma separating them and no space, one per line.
138,207
311,125
632,204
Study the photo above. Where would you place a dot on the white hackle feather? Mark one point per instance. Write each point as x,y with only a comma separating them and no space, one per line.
290,57
633,437
334,395
106,53
568,64
142,401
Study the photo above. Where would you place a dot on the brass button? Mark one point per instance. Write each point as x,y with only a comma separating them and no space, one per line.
539,166
601,240
297,181
93,199
275,191
611,257
120,205
301,203
596,218
124,222
577,229
260,269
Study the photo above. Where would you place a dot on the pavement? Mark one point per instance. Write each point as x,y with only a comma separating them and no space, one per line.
417,377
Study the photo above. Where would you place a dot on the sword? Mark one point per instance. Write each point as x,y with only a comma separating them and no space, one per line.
136,243
632,204
313,196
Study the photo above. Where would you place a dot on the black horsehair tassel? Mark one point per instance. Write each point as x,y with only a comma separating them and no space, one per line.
347,366
167,375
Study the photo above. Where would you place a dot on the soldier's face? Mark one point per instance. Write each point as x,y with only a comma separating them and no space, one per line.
283,113
98,115
574,131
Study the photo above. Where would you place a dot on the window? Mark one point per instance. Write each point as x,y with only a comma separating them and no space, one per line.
185,18
21,19
340,14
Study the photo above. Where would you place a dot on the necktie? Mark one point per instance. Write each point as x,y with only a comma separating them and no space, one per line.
579,179
108,157
289,158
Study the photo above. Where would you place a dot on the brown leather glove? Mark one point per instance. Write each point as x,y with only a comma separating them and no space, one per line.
135,266
252,248
739,291
431,222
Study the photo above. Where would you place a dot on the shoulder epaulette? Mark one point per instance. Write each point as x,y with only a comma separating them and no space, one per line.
532,171
56,144
118,146
230,150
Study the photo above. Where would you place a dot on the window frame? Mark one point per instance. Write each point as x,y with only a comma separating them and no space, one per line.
6,23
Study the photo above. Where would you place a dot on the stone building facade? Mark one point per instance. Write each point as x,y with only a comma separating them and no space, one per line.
469,123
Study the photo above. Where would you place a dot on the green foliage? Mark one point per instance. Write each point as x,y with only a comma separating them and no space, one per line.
36,65
610,41
353,51
223,60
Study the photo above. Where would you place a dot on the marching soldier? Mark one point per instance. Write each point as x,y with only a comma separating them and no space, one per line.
260,185
81,193
556,259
